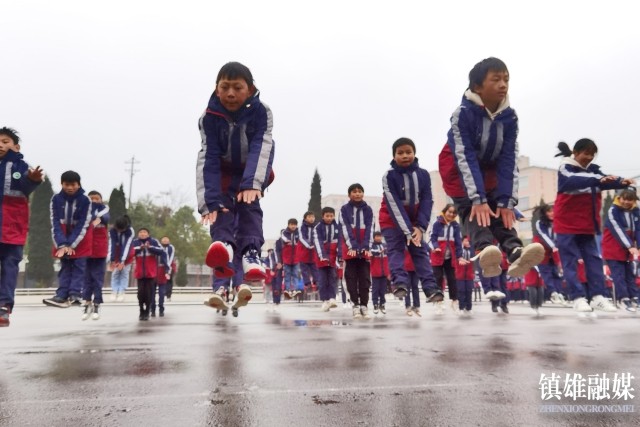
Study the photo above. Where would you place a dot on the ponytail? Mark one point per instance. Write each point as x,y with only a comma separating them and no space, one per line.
564,149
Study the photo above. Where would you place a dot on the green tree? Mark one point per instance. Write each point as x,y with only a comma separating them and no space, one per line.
606,204
315,200
190,239
181,277
40,265
117,204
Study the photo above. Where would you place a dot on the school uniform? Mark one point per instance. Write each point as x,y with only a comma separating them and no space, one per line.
379,273
328,252
534,282
446,237
275,258
464,279
548,268
356,225
146,270
290,266
305,254
577,221
621,232
121,251
71,227
237,154
97,261
407,203
14,221
478,164
170,250
413,289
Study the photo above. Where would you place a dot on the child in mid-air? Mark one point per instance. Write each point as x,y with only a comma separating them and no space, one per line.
97,261
379,273
326,235
234,168
479,170
577,221
404,218
18,181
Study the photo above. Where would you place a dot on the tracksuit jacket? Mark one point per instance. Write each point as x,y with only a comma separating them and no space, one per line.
356,225
327,243
621,232
579,202
407,199
148,259
71,223
443,235
305,247
121,246
379,261
14,211
479,160
236,154
100,246
289,243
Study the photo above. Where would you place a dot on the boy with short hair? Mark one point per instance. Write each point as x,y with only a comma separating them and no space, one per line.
356,223
72,239
18,181
379,273
234,167
404,218
97,261
305,250
149,254
171,261
479,171
121,255
326,235
290,265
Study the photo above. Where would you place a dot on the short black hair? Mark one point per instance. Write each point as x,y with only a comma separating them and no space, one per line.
11,133
70,177
628,194
482,68
94,193
377,233
235,70
307,213
292,221
328,209
122,223
583,144
355,186
400,142
144,229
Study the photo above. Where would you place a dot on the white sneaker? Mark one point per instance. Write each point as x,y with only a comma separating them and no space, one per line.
530,256
120,297
96,314
603,304
581,305
490,295
489,259
113,297
556,298
219,256
534,311
253,268
346,305
88,309
325,306
416,311
364,312
356,313
333,303
439,307
628,305
217,301
243,296
409,311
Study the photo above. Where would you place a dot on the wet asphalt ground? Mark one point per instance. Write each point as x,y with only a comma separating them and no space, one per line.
303,367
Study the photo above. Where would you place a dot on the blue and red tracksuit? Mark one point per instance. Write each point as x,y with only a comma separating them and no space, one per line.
446,237
71,227
14,221
97,261
464,278
577,221
478,164
621,233
543,233
305,254
379,273
413,291
236,155
148,256
290,266
534,281
407,202
328,252
356,224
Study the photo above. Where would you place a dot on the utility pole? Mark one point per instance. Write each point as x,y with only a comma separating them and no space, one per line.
132,171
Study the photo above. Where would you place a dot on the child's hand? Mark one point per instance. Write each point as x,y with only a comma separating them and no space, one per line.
210,218
36,174
463,261
96,222
61,252
437,250
416,237
249,196
508,217
628,181
352,252
483,213
634,252
608,178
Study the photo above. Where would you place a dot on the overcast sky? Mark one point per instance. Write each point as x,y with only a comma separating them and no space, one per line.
90,84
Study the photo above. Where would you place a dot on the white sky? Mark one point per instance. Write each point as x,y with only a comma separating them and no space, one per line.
89,85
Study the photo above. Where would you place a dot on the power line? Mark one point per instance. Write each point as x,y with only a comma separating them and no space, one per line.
132,171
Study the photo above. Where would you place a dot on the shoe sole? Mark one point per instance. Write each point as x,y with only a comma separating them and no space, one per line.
531,256
400,293
56,304
437,297
216,302
333,305
217,256
490,261
242,298
254,275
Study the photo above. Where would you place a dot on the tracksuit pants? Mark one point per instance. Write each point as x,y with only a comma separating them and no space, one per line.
447,270
357,274
465,291
240,226
573,247
162,292
71,277
413,291
327,282
551,280
10,257
623,279
94,279
396,244
145,294
379,290
536,296
309,272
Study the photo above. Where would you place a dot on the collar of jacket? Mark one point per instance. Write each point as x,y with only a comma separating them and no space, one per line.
357,204
572,161
12,156
413,166
215,107
70,197
475,99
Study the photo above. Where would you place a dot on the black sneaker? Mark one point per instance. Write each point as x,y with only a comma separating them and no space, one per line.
161,312
376,308
434,295
504,309
75,301
153,313
4,316
400,291
56,301
494,306
234,311
383,309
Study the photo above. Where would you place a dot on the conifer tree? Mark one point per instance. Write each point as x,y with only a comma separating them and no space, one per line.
315,201
117,204
39,243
